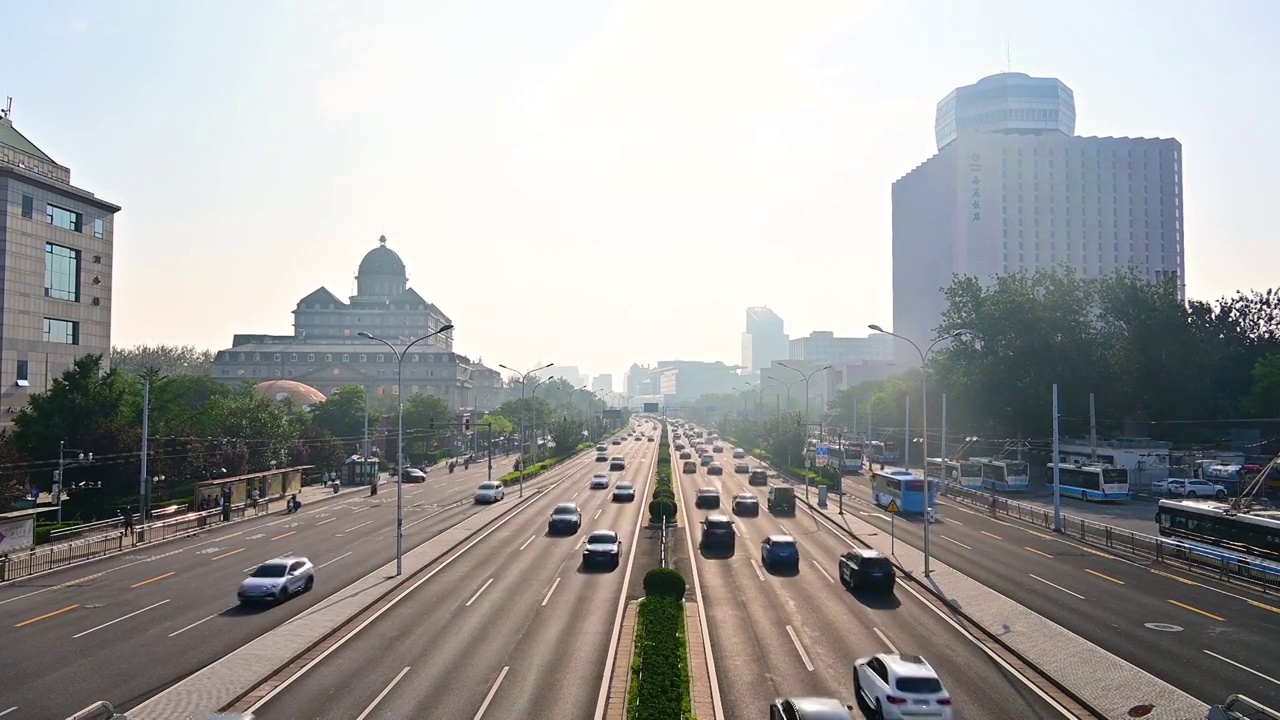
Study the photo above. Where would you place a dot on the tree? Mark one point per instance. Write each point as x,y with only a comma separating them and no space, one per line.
1264,397
316,446
14,484
342,415
165,359
567,432
527,411
499,424
427,420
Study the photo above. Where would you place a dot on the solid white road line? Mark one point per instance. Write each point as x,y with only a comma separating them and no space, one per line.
526,542
554,585
885,640
1223,659
6,712
957,542
367,522
597,517
382,694
822,570
492,691
800,649
335,559
1059,587
756,566
482,589
126,617
198,622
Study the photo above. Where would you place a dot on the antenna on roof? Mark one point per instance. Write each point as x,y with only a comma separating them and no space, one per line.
8,108
1008,56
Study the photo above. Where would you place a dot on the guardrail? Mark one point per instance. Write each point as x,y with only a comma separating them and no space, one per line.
42,558
116,524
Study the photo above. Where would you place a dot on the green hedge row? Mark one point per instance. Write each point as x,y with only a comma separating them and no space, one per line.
537,469
662,506
660,665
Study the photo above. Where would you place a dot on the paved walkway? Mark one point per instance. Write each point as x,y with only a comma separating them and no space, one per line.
1107,683
699,668
620,683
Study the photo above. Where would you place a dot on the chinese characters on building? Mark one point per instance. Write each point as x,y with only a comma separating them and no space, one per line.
975,187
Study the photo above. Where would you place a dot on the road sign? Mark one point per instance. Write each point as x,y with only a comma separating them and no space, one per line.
821,454
893,506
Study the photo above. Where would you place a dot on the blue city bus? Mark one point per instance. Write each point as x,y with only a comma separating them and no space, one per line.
1006,475
903,487
1092,482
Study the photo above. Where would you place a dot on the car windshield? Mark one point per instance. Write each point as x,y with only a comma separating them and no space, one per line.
783,546
708,491
918,685
602,538
719,525
876,564
624,486
565,510
747,498
490,485
270,570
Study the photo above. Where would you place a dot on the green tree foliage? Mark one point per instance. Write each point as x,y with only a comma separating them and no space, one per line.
878,402
1264,397
567,433
528,410
427,421
14,483
342,414
165,359
500,425
664,582
781,435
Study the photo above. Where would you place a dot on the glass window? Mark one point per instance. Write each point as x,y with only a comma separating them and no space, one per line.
64,332
63,218
99,227
28,206
61,272
22,375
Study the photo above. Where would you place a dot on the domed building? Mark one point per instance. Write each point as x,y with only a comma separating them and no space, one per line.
326,351
303,396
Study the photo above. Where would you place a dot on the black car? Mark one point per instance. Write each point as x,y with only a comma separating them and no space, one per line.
758,477
566,519
867,569
708,498
746,504
601,457
603,549
717,533
624,492
617,464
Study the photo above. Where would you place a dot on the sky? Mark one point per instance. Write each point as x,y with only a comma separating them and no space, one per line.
592,182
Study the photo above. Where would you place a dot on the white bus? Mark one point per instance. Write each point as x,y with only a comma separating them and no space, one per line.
1210,531
1092,482
965,473
1006,475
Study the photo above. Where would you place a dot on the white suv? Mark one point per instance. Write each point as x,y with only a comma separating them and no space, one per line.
1190,488
897,687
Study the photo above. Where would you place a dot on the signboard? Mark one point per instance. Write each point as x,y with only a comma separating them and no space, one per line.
17,534
821,455
651,407
612,414
893,506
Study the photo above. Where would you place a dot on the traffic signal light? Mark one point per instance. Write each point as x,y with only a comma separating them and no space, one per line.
466,424
432,424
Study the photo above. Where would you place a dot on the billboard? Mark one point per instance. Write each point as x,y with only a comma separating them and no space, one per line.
612,414
651,407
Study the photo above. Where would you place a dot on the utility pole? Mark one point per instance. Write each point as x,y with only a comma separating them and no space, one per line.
1057,471
144,490
943,451
906,436
1093,430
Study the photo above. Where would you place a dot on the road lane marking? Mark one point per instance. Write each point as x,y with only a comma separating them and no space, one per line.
1243,667
1040,535
6,712
1263,606
482,589
795,639
957,542
46,616
113,622
1184,606
360,510
1182,580
822,570
227,554
887,643
277,522
984,532
335,559
326,521
575,495
492,691
554,585
154,579
382,694
1038,552
291,532
597,517
1104,577
951,520
201,621
759,573
526,542
1059,587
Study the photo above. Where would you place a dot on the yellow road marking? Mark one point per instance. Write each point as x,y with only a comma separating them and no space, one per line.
1198,610
1104,577
1024,547
1175,577
158,577
1263,606
984,532
227,554
46,615
1042,536
291,532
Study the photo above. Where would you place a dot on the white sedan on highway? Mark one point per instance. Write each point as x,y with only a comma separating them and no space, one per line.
490,492
599,481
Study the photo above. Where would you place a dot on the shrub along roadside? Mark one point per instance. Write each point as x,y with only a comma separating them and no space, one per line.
662,506
660,665
537,469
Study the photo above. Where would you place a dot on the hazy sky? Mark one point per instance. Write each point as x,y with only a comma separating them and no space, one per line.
593,183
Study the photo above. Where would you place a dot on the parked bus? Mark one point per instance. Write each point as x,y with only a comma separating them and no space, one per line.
883,452
903,487
1210,531
965,473
1092,482
851,460
1006,475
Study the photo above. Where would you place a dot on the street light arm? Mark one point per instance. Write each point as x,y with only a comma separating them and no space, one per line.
782,364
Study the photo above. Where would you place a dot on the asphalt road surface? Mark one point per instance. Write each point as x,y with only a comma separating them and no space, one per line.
512,629
778,635
1206,638
125,627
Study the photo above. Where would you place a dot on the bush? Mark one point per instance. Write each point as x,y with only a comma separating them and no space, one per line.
537,469
43,530
660,669
660,509
664,582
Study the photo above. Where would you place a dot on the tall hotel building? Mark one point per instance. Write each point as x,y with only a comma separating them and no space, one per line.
1012,189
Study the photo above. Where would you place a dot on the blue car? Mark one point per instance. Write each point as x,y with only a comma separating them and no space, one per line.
780,551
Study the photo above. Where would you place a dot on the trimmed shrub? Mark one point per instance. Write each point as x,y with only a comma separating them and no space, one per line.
664,582
662,509
660,670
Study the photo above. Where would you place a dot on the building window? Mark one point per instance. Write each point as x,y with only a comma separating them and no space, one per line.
61,272
23,379
99,228
63,332
346,357
277,357
28,206
311,357
364,358
63,218
381,358
328,358
293,357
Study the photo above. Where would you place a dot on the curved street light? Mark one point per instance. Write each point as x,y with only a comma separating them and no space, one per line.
524,411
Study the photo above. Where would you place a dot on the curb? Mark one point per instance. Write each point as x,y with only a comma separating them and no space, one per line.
951,607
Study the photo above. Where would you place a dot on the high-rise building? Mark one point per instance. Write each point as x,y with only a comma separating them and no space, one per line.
602,383
58,256
1011,190
683,381
569,373
822,347
765,339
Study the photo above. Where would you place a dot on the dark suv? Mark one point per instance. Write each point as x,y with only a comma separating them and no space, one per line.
758,477
866,569
717,534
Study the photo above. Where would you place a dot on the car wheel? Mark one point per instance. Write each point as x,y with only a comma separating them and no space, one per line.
877,713
1221,495
311,582
1191,493
282,595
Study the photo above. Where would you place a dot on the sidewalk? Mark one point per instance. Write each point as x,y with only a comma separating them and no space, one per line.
1107,683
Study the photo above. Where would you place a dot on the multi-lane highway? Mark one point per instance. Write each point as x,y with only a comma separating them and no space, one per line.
125,627
513,628
1207,638
779,635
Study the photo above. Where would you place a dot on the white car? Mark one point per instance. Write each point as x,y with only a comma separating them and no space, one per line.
490,492
599,481
278,580
898,687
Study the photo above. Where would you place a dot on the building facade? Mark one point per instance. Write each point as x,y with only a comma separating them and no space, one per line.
1000,200
1007,103
681,382
58,250
764,340
822,347
603,383
326,351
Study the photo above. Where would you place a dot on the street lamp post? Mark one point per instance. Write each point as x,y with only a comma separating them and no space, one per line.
523,412
82,458
807,378
400,354
924,424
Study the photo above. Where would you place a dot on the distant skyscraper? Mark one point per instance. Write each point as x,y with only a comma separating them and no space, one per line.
602,383
1012,190
764,340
